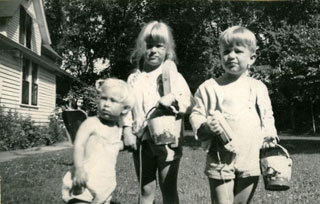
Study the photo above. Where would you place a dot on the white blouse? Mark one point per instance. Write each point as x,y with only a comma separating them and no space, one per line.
147,88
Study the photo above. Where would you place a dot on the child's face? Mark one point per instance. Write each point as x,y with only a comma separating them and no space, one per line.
110,104
155,53
236,58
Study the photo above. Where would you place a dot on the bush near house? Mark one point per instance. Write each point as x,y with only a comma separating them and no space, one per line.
18,132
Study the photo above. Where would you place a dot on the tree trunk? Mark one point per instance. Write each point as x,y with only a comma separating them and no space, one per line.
312,116
292,119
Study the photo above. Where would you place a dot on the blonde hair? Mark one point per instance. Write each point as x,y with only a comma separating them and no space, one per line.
128,97
154,30
239,35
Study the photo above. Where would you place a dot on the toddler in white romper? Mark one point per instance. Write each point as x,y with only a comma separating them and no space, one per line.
101,154
96,146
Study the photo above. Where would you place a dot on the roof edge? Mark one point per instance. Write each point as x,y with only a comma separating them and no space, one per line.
37,58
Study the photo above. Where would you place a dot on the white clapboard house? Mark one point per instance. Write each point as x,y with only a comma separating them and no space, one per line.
30,73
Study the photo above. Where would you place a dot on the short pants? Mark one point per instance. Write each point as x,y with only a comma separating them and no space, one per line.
226,168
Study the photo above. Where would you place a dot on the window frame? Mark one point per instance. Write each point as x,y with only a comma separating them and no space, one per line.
29,83
25,33
34,84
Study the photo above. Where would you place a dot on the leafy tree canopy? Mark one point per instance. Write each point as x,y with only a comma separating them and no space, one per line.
85,32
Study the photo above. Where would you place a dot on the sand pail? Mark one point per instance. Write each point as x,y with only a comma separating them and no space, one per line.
276,167
163,127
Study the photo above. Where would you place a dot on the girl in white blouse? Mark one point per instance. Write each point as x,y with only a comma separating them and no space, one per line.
155,50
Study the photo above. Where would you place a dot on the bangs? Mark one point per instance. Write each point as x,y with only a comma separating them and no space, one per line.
158,33
238,39
239,36
119,86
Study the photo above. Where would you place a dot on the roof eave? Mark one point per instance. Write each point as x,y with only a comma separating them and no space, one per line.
9,7
39,9
46,48
37,58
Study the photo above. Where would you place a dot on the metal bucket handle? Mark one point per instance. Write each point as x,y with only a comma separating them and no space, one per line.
284,150
174,110
148,114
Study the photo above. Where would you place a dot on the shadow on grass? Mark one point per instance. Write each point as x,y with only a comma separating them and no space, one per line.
189,141
294,146
66,163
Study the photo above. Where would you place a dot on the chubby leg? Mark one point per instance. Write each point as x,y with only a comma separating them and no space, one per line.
221,191
149,169
244,189
168,176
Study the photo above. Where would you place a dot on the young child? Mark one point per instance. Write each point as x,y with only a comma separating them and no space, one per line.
245,104
96,147
154,52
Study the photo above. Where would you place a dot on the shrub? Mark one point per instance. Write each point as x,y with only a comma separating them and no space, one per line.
18,132
56,130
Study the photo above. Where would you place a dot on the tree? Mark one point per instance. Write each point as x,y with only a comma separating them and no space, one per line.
289,43
85,31
94,30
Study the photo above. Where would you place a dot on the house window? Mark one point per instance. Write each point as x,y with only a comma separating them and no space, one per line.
25,81
29,83
25,28
34,85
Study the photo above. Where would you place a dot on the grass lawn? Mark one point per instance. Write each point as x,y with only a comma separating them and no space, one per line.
36,179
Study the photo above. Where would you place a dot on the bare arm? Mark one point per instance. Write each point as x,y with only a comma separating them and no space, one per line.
129,139
82,136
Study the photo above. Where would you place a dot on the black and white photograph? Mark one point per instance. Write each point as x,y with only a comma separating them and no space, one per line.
159,101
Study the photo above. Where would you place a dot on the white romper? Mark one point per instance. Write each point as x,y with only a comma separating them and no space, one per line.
101,154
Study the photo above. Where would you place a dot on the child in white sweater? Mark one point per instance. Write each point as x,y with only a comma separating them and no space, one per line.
245,104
